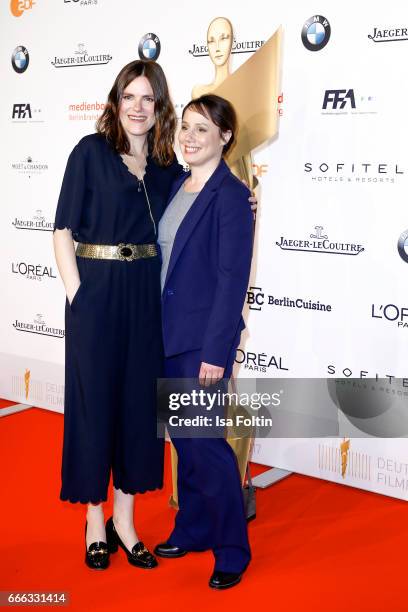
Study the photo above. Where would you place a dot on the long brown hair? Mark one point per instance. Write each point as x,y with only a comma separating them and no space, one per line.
160,138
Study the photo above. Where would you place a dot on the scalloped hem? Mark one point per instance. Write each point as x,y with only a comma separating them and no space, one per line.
104,499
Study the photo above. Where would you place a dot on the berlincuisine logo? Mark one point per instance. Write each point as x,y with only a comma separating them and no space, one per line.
318,242
38,326
81,57
247,46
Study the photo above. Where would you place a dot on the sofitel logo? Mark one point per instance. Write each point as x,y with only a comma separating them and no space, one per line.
37,223
247,46
259,362
391,312
392,35
81,57
345,462
341,172
319,243
256,298
38,326
32,271
28,166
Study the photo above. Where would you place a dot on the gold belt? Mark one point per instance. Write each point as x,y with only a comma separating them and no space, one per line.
121,252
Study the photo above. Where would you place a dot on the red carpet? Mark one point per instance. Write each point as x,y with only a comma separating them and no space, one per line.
316,546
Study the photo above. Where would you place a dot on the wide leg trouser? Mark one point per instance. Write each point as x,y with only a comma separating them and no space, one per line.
211,511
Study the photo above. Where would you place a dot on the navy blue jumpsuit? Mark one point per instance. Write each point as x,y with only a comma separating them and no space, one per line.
113,346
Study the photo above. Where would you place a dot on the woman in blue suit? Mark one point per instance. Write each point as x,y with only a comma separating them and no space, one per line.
205,237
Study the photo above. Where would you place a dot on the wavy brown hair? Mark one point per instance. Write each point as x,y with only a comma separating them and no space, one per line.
160,138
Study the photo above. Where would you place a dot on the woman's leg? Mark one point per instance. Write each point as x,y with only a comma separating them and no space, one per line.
123,508
95,531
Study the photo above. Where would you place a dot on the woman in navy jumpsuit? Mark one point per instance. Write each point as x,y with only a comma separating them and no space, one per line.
113,322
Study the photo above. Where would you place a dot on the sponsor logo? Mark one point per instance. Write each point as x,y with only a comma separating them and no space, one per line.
343,102
391,312
37,390
20,58
85,111
30,271
318,242
24,112
259,362
316,33
403,246
38,222
260,169
354,172
149,47
388,379
340,458
29,167
80,58
391,35
17,7
247,46
392,473
38,326
81,2
256,299
27,377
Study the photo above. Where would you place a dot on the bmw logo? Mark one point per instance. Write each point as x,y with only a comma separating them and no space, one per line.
403,246
316,33
149,47
20,59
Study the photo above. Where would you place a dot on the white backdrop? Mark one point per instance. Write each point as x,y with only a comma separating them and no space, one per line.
334,172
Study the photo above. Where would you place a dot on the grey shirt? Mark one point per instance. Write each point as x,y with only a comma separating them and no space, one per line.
169,224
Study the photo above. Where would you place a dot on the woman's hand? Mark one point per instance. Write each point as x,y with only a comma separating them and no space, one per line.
210,374
252,199
71,292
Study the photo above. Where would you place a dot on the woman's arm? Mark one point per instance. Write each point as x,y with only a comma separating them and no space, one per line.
66,261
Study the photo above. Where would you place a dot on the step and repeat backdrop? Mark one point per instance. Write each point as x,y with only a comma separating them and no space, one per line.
327,296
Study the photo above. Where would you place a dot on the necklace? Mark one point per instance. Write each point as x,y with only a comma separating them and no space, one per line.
136,170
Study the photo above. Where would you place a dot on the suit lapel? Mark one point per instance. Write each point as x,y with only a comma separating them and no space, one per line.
195,213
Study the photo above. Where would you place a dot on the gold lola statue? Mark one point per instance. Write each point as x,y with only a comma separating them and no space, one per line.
253,89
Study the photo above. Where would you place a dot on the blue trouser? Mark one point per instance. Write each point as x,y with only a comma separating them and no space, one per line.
211,509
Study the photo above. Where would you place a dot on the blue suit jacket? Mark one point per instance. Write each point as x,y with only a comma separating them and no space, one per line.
208,273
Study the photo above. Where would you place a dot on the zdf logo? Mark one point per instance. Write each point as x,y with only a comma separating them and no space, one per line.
17,7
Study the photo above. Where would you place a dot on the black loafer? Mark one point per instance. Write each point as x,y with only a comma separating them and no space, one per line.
224,580
97,555
139,556
169,551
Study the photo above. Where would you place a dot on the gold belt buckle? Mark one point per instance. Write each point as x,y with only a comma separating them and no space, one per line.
126,252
